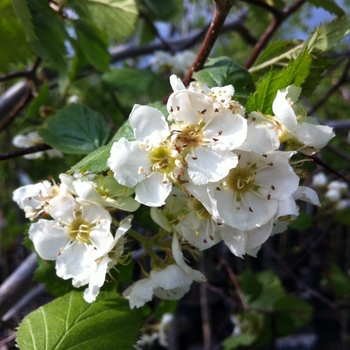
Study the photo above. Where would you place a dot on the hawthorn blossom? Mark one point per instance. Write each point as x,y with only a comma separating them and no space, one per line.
295,126
105,263
151,163
101,189
34,199
33,139
75,239
205,132
248,196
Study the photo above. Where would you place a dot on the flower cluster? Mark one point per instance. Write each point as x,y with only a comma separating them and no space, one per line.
209,171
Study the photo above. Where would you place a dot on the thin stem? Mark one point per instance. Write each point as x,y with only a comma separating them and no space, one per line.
277,20
222,8
24,151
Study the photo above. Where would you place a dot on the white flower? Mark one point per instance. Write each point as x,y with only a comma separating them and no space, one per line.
171,283
248,197
335,190
33,199
105,263
101,189
205,132
150,163
33,139
78,235
304,130
319,180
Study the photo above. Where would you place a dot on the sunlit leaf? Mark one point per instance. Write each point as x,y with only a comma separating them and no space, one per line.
71,323
328,5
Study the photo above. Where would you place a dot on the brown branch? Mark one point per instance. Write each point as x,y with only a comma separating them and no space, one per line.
222,8
28,73
24,151
278,18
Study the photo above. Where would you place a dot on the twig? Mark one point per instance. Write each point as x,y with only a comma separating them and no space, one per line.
222,8
24,151
277,20
236,283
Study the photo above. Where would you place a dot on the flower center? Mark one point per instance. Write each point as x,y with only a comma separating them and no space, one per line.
190,136
201,212
79,230
162,160
241,180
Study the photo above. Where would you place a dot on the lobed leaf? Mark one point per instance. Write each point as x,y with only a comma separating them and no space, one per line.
328,5
71,323
76,129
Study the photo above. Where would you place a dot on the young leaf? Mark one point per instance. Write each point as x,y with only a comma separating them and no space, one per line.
93,43
328,5
223,71
295,73
96,161
115,18
24,15
327,36
71,323
76,129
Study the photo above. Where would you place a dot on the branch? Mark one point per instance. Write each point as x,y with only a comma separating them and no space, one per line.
222,8
277,20
24,151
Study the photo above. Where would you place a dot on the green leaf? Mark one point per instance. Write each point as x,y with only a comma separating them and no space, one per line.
338,281
250,285
135,84
238,341
327,36
293,313
93,43
71,323
303,222
39,100
115,18
162,10
328,5
223,71
13,37
76,129
24,15
50,34
295,73
96,161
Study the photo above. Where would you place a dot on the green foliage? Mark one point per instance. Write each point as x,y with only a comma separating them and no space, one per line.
13,38
115,18
96,161
295,73
93,43
271,311
69,322
76,129
136,84
303,222
39,101
45,31
328,5
338,281
223,71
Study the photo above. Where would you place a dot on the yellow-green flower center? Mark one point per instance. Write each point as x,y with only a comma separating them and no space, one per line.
241,180
162,160
201,212
79,230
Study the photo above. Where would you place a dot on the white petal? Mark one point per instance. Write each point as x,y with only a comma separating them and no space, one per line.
234,239
63,208
148,123
178,256
140,292
176,83
126,160
316,136
171,277
258,236
172,294
152,191
307,194
210,165
284,112
48,240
